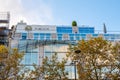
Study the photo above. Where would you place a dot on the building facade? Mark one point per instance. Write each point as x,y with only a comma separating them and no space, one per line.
38,41
4,28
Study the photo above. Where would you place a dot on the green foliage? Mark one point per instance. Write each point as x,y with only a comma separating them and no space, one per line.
10,68
52,69
74,23
28,28
3,52
96,55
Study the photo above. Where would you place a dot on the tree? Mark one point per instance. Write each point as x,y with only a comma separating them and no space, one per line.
52,69
74,23
98,59
28,28
3,52
11,68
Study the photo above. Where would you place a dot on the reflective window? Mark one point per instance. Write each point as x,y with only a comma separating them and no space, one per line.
48,36
71,36
34,58
64,29
95,35
28,58
86,29
59,48
77,36
83,36
59,36
24,36
71,72
42,36
36,36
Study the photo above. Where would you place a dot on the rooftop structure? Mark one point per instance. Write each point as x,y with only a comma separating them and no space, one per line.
4,19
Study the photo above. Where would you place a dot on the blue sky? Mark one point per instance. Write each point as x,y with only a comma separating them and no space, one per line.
63,12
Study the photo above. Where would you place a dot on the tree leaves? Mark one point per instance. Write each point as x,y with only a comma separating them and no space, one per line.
96,55
10,68
52,69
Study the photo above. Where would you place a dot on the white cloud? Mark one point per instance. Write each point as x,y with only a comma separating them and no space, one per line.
40,15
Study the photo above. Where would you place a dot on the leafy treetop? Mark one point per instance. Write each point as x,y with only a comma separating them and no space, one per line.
74,23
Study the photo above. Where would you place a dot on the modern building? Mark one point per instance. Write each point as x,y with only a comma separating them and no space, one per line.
38,41
4,28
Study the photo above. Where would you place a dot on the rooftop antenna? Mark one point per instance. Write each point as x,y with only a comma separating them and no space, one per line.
104,28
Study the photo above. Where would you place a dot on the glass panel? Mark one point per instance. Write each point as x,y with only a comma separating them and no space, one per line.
95,35
48,36
36,36
86,30
63,29
59,36
28,58
24,36
34,58
71,36
42,35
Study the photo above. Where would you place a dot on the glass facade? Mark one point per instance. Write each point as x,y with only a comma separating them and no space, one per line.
63,29
86,30
48,40
71,36
24,36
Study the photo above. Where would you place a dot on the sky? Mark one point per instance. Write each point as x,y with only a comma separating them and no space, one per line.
91,13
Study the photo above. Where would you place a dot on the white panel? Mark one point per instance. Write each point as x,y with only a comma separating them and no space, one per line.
14,43
36,28
44,28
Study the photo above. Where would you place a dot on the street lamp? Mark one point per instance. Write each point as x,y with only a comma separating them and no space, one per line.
74,62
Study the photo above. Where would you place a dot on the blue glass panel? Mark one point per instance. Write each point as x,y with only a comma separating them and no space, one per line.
36,36
28,58
59,36
95,35
34,58
48,54
23,60
111,36
83,35
71,36
64,29
24,36
86,30
106,34
42,35
77,37
47,36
